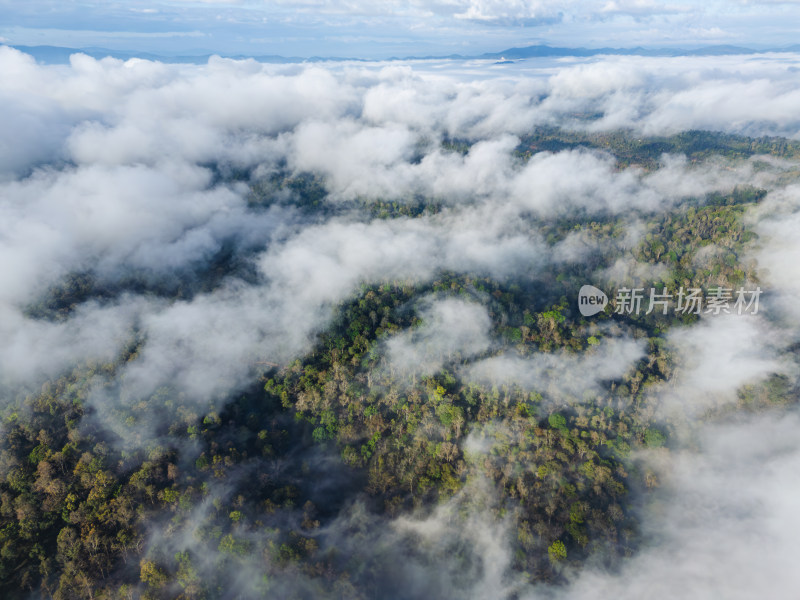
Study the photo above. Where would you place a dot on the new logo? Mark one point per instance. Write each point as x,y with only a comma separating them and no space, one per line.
591,300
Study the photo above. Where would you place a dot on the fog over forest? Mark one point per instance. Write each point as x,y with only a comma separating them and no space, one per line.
181,246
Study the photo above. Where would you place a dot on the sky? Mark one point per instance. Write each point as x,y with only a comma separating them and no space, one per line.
365,29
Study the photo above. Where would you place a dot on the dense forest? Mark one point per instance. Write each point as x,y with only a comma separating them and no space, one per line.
309,479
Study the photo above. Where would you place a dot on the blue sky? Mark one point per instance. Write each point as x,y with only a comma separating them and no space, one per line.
396,27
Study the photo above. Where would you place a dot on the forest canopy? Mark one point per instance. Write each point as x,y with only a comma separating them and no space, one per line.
265,343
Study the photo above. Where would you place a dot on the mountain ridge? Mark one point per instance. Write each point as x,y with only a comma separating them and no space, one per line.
60,54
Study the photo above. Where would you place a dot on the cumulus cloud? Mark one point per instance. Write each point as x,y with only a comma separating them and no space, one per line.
450,329
561,377
776,221
723,353
724,521
630,273
135,196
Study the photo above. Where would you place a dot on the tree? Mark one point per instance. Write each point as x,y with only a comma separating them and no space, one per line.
557,551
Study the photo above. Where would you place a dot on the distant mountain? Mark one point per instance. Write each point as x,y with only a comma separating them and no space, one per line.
720,51
545,51
551,51
60,55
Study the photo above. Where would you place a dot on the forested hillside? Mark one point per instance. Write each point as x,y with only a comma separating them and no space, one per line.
356,469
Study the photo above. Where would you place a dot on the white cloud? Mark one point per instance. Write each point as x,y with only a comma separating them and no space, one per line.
723,525
561,376
451,329
128,190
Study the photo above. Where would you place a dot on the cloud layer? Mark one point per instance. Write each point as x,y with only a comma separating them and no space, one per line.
138,176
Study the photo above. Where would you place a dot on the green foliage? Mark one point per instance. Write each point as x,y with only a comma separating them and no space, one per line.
557,421
653,438
634,150
557,551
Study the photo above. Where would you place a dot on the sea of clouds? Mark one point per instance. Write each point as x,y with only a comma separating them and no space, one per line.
113,168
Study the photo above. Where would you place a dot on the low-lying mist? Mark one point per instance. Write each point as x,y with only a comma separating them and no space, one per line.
176,239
